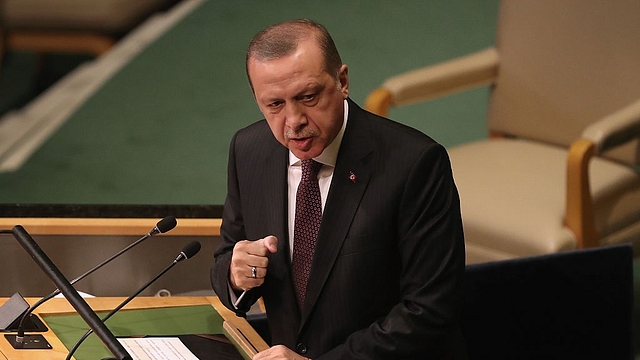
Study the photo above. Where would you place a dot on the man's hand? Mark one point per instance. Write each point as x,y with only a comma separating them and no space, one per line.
248,254
278,352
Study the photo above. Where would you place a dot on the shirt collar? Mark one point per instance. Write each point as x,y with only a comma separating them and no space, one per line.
330,154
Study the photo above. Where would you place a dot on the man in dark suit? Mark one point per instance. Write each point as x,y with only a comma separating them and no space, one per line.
385,279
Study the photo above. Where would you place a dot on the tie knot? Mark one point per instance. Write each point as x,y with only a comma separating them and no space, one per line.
310,169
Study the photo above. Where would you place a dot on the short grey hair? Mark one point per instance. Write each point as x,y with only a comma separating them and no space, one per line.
282,39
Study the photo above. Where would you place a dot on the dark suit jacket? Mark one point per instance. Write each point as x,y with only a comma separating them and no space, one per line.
386,279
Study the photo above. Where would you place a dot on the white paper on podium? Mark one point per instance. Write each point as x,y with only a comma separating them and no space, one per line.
157,348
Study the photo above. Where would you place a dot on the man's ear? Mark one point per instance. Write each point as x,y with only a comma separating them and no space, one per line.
343,77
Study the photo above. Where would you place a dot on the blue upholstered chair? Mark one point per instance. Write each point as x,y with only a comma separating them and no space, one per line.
573,305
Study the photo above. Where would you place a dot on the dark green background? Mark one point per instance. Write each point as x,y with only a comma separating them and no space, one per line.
158,131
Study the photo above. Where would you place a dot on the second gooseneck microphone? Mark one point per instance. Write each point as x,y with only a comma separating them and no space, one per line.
189,251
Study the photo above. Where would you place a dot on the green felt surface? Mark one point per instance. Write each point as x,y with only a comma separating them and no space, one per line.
201,319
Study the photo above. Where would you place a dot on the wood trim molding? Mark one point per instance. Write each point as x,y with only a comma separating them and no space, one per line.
110,226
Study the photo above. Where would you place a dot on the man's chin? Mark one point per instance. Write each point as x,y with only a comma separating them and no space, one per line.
305,155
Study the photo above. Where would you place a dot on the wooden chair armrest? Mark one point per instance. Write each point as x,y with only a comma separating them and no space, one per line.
477,69
579,217
65,42
379,101
615,129
609,132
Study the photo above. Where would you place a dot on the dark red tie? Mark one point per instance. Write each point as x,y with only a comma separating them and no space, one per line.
306,225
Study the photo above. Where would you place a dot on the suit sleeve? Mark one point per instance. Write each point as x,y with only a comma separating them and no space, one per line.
431,246
231,231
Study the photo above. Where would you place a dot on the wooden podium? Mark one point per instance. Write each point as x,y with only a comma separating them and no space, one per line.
237,329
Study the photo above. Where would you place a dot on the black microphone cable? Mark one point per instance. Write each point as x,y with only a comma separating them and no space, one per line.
190,250
164,225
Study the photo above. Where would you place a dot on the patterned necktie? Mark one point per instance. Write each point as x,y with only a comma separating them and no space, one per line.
306,225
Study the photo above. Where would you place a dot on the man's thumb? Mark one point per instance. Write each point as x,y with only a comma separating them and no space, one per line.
271,243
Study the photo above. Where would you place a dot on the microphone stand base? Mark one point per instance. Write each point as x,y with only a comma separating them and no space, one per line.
30,342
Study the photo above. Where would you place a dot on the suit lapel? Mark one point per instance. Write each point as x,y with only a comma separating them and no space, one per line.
276,166
350,178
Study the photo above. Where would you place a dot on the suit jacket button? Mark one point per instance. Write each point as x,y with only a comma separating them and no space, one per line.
301,348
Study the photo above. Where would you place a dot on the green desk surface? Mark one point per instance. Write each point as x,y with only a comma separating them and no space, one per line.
201,319
158,131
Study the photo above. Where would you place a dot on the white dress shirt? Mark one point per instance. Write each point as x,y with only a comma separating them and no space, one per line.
328,159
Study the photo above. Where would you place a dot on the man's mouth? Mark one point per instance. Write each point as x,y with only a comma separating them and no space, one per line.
302,143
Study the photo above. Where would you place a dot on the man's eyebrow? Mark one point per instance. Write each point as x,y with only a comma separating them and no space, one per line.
311,88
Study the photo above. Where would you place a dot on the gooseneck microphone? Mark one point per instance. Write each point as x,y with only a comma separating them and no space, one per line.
164,225
190,250
70,293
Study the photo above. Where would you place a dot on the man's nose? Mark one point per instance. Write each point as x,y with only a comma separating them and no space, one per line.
295,116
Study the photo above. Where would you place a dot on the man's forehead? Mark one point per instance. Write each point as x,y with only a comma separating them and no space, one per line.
292,65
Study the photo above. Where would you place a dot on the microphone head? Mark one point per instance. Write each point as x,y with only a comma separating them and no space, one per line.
190,250
166,224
